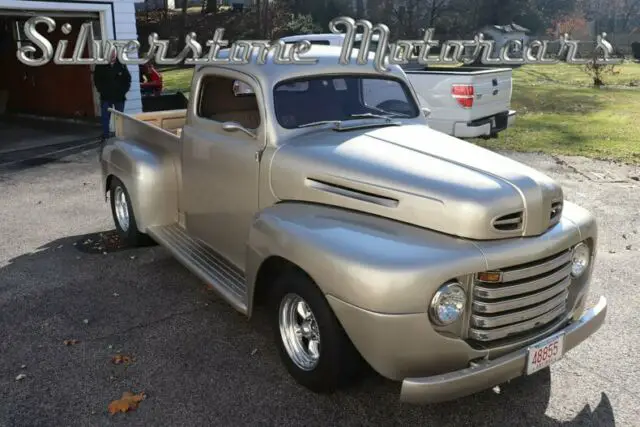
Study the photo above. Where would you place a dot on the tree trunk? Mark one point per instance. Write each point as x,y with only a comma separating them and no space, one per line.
259,15
185,15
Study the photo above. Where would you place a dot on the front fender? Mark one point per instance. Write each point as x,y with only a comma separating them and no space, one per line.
150,176
369,262
379,275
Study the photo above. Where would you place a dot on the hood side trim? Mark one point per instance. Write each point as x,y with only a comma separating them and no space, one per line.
351,193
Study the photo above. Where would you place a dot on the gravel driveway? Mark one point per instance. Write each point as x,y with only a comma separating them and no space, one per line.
201,363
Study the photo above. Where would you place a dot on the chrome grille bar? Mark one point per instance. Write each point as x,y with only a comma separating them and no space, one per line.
515,303
495,334
522,288
526,297
511,275
519,316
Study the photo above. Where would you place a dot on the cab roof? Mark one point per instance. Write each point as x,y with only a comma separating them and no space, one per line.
328,62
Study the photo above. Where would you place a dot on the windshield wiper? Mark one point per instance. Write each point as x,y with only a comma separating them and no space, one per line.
322,122
377,116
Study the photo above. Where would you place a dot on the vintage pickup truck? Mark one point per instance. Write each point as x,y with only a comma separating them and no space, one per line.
366,236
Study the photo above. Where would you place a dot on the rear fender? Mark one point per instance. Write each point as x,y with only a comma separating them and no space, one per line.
150,176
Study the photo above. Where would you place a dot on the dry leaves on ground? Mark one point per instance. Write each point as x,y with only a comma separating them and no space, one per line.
120,359
128,402
71,342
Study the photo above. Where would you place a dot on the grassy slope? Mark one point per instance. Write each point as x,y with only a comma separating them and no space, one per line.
558,112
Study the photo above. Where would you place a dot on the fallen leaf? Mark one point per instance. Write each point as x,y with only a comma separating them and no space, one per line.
21,377
86,321
128,402
71,342
119,359
23,367
628,247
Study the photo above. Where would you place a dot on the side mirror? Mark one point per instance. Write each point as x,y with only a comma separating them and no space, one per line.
235,127
426,111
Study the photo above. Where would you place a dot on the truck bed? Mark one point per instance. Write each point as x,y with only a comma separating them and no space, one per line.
157,131
491,94
169,120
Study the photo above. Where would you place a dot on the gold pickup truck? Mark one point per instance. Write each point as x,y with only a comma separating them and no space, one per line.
368,237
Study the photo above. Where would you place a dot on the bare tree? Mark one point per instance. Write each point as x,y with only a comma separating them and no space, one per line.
435,7
209,6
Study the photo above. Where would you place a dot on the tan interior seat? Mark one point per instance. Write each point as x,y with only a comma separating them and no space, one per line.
219,103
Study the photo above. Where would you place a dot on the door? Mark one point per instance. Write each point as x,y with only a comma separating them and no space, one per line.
220,167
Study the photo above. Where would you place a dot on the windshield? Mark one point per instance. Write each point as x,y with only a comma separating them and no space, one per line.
304,101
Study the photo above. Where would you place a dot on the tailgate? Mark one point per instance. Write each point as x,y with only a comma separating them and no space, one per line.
492,92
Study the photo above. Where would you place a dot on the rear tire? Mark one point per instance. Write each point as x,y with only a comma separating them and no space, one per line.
123,216
311,343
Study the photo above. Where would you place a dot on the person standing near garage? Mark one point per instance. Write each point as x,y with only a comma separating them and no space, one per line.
112,82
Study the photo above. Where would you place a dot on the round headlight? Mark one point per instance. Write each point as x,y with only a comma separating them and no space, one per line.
448,304
580,259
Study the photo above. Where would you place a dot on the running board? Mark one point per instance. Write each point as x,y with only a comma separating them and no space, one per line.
205,263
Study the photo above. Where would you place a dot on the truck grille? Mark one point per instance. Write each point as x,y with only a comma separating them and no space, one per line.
520,300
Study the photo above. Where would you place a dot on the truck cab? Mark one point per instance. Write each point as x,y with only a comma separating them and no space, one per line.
368,237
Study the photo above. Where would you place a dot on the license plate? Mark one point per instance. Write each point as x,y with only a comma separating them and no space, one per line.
545,353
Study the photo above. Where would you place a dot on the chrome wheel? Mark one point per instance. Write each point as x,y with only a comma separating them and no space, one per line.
299,332
121,208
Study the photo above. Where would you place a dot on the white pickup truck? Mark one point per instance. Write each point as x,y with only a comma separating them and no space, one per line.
465,102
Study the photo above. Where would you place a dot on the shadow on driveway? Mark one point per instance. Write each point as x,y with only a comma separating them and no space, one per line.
198,361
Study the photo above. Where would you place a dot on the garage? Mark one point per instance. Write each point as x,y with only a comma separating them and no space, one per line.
52,92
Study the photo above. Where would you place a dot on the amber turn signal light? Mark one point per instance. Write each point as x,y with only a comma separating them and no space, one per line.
490,276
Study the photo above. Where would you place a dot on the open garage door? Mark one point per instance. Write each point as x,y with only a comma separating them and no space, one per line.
50,90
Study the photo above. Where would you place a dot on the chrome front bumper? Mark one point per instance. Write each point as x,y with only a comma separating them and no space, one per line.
487,374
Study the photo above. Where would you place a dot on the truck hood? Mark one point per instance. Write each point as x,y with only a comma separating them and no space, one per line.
416,175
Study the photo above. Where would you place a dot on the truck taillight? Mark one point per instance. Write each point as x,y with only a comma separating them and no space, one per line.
464,94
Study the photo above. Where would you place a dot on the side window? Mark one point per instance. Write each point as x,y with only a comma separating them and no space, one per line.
223,99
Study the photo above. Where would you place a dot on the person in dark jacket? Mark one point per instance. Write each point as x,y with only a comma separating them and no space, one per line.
112,81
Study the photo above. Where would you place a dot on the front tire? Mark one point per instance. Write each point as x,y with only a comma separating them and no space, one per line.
311,343
123,216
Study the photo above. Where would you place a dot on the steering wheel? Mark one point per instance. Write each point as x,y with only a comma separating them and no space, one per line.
395,106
